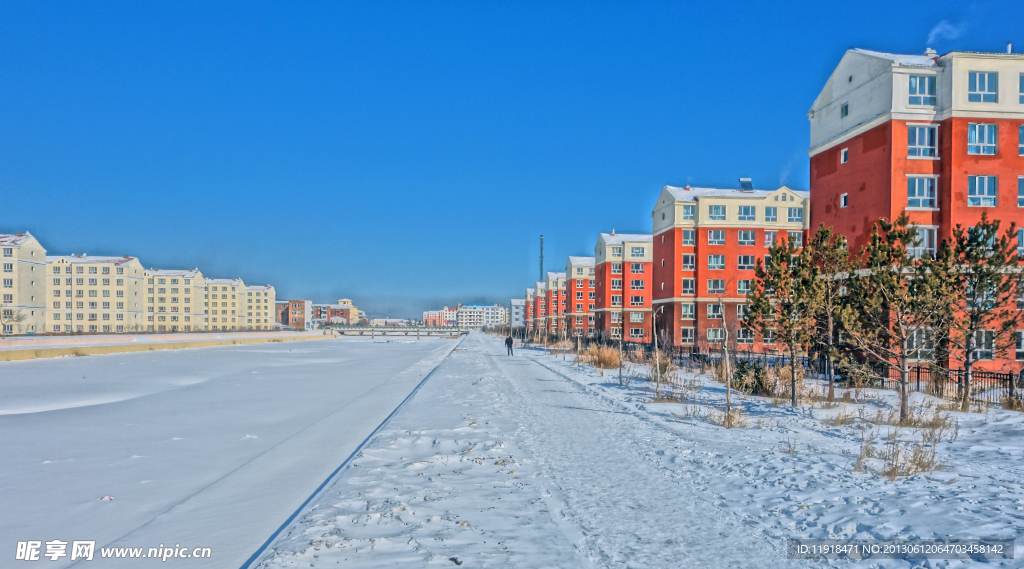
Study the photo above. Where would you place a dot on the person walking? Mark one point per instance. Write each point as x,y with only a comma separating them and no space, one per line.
508,343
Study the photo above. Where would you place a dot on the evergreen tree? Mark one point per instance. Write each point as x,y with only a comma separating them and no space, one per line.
831,256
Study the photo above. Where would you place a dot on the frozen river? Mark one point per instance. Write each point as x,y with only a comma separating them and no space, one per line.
207,447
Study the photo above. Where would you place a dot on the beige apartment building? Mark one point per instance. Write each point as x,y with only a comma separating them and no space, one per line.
22,308
175,300
94,294
223,304
260,302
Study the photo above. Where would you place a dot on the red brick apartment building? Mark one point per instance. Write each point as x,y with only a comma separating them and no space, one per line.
554,288
580,295
622,286
528,315
706,245
295,313
940,137
540,306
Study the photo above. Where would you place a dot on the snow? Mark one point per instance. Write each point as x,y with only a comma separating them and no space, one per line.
911,60
211,447
620,238
581,261
549,464
689,194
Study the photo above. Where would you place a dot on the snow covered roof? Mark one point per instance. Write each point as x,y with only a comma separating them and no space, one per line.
898,59
541,285
529,291
553,275
14,240
87,259
232,282
689,194
261,287
620,238
581,261
187,273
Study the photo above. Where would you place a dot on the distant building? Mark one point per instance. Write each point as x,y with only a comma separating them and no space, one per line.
295,313
530,298
98,294
260,303
517,312
623,286
24,285
579,293
175,300
480,315
224,299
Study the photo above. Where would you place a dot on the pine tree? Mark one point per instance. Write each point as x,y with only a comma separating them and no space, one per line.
831,256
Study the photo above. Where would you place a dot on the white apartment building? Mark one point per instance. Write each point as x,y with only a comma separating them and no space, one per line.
517,312
24,287
480,315
95,294
174,300
222,300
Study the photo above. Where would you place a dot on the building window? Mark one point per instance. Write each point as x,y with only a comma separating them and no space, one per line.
716,262
924,243
920,192
716,286
616,251
844,156
984,341
1020,88
690,235
982,87
686,335
714,311
689,262
636,316
746,237
981,191
636,284
746,263
636,300
796,238
616,317
747,213
796,214
1020,140
1020,191
616,300
922,141
1020,250
769,238
689,212
689,286
716,212
844,200
636,333
744,336
616,268
743,287
844,110
636,252
636,268
981,139
616,332
716,237
922,90
716,335
686,311
771,213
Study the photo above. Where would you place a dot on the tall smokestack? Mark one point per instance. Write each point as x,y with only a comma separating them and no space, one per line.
541,279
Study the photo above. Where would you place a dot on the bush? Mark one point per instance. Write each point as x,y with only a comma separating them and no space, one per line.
602,357
754,379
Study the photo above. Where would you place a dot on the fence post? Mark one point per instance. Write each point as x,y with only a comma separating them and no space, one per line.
919,378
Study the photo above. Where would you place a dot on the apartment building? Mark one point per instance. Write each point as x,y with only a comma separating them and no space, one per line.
223,301
339,313
22,304
95,294
940,137
706,245
555,290
528,319
295,313
623,286
540,306
517,312
260,303
175,300
580,295
479,315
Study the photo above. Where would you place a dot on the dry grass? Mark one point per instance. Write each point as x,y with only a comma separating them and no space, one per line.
845,417
1012,404
907,458
734,419
601,357
867,450
789,447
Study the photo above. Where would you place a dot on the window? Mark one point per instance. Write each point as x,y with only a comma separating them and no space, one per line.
8,251
844,200
920,192
636,333
616,300
716,262
616,268
689,212
746,237
689,286
1020,247
636,252
616,284
747,213
616,251
981,191
743,287
716,335
689,262
981,139
714,311
922,141
922,90
1020,88
686,311
689,235
769,238
8,283
636,300
9,268
636,316
686,335
771,213
716,286
616,317
984,341
1020,140
716,212
744,336
982,87
636,284
716,237
796,238
1020,191
616,332
636,268
844,156
745,263
924,243
844,110
796,214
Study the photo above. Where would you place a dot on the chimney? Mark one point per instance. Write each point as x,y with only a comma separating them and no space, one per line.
687,188
613,232
1009,47
930,52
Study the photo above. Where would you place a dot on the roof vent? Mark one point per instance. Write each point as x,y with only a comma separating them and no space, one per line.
930,52
613,232
687,188
746,185
1009,47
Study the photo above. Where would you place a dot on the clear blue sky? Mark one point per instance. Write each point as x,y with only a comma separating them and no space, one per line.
406,154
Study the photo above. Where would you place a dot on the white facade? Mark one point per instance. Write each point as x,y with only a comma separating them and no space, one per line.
517,314
480,315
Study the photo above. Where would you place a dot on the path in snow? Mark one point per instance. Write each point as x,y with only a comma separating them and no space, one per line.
210,447
500,461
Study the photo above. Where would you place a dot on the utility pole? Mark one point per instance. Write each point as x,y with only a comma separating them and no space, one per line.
541,276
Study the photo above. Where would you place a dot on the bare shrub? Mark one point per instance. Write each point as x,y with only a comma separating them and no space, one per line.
867,450
601,357
900,458
1012,404
734,419
789,447
845,417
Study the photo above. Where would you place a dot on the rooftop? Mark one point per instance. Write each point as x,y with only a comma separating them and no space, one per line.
14,240
581,261
689,194
620,238
899,59
83,258
190,273
232,282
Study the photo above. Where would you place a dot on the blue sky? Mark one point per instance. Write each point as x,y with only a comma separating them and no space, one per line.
407,154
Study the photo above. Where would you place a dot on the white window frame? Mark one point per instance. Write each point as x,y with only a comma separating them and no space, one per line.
716,335
689,212
770,237
716,212
716,286
982,139
799,218
689,262
929,148
747,213
715,311
926,197
687,311
745,266
921,91
686,335
689,237
983,87
771,213
743,287
925,242
844,201
978,196
716,262
844,156
689,286
746,237
713,237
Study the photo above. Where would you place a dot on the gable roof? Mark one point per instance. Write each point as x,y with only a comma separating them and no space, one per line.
620,238
581,261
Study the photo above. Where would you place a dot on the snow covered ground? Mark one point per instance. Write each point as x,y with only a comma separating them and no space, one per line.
530,461
211,447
